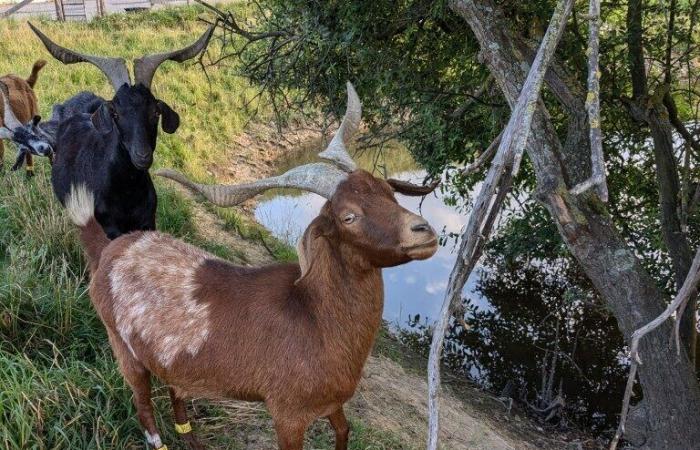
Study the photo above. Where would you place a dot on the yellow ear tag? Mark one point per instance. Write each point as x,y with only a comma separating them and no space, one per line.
184,428
165,447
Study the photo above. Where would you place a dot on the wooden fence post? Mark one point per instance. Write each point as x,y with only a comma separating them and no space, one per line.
60,15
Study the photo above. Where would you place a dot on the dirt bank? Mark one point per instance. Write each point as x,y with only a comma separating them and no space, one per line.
392,397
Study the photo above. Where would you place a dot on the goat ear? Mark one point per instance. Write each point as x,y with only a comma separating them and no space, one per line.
103,118
310,243
170,120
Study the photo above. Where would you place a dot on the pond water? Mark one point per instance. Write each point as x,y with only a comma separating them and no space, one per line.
510,312
410,289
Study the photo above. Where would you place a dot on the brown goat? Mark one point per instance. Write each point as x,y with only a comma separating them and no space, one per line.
23,103
295,336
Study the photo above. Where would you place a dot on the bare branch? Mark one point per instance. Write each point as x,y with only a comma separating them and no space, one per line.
597,179
488,203
484,157
474,97
674,309
229,21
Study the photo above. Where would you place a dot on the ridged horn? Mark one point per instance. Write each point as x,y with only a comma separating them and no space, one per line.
337,152
145,68
10,120
321,178
113,68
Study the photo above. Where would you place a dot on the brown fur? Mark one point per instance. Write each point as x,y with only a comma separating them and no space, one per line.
298,343
23,102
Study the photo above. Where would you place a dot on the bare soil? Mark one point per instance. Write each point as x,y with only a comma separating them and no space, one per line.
392,396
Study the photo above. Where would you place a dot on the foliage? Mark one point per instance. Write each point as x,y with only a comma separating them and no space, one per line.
537,313
211,105
417,69
416,66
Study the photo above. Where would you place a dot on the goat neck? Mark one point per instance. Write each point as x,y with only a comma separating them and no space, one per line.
346,294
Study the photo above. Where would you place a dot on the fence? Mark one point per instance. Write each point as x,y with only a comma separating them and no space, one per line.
79,9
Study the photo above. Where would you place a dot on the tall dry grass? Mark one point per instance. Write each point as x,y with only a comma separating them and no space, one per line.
59,385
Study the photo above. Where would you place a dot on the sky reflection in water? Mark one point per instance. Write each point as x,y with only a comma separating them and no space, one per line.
410,289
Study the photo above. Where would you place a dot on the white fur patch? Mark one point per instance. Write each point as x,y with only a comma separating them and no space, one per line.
154,440
153,285
80,205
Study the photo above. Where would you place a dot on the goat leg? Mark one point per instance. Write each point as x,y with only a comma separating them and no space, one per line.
340,425
144,408
182,423
290,431
30,164
19,161
139,378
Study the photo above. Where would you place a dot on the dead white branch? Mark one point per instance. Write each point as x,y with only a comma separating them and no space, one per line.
674,309
488,203
597,178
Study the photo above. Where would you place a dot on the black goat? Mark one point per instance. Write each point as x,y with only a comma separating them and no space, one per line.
39,137
109,145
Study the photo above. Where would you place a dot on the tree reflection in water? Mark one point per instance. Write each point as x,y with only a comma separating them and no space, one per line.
544,332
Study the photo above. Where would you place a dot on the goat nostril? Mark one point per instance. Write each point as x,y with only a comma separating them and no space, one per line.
420,227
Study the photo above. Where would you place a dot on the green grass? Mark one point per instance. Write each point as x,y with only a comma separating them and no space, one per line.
212,113
361,438
59,385
61,388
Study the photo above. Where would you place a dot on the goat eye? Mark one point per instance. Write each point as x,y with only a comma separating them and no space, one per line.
349,218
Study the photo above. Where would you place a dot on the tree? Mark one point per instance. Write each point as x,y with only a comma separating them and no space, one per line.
428,80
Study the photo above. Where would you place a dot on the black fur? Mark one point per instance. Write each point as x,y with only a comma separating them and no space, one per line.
109,147
39,138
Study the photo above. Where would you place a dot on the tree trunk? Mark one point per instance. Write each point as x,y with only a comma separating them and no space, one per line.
671,392
652,111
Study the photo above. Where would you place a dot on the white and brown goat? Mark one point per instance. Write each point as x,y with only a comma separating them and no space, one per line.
295,336
22,108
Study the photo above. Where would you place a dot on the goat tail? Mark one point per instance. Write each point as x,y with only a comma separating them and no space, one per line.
31,81
80,205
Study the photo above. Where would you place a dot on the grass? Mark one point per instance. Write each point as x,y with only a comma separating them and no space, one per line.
60,387
212,113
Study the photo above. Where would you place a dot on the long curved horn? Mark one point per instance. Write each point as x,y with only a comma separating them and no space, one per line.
10,120
321,178
114,68
337,152
145,67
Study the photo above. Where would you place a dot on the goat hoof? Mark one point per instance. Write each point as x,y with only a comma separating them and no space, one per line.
30,175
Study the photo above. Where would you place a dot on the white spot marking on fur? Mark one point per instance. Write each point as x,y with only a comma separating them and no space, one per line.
80,205
154,286
154,440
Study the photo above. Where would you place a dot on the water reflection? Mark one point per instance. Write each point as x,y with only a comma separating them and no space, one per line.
412,289
534,326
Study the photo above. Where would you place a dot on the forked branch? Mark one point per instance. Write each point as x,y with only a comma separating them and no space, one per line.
597,178
488,203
